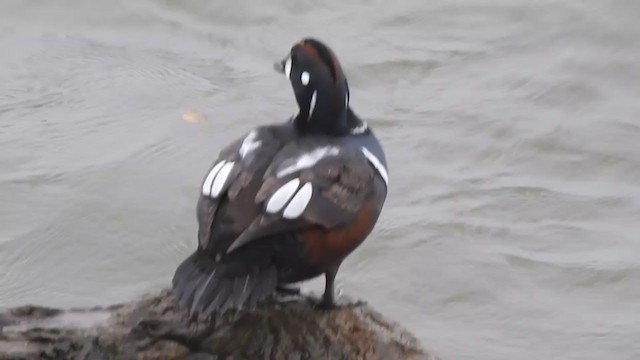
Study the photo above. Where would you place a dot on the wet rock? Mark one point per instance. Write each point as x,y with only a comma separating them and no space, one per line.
155,328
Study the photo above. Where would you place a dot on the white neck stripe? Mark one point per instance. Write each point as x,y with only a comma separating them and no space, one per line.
312,105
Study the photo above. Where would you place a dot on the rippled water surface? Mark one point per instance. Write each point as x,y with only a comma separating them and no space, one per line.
512,128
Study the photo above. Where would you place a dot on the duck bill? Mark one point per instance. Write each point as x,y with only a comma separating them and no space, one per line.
278,66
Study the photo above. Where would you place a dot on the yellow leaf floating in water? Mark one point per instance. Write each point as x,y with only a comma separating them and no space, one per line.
193,117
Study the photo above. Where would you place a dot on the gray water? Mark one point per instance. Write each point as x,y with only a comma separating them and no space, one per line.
512,129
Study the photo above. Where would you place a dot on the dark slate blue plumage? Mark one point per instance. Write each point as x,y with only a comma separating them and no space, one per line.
286,202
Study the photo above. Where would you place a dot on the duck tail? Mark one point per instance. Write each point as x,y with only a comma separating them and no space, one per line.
205,286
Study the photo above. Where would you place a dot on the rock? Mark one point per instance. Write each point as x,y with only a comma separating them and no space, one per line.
155,328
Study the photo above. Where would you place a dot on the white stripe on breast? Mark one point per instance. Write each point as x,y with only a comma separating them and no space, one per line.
377,164
360,129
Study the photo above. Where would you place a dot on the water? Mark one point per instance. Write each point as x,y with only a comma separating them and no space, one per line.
512,129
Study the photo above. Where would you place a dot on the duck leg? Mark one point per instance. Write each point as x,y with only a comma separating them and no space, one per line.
328,298
328,301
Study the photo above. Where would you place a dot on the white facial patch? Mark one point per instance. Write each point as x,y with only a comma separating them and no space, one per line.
312,104
307,160
299,202
377,164
304,78
208,181
287,68
280,198
221,179
249,144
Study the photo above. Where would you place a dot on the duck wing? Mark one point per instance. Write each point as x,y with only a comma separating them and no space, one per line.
226,205
315,182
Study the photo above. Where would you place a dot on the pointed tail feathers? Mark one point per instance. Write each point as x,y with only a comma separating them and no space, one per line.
205,286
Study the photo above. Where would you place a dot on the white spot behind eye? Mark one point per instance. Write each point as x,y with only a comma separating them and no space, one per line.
304,78
287,68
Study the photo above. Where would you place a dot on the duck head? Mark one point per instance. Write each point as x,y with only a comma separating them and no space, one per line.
320,88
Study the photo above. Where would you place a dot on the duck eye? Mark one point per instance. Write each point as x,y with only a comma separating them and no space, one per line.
304,78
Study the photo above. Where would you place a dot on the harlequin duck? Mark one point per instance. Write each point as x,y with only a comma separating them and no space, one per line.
287,202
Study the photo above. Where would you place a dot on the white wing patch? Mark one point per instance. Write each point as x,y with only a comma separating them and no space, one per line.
216,179
208,181
250,144
221,179
280,198
299,202
295,204
307,160
377,164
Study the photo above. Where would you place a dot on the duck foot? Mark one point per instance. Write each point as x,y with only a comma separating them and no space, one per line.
287,294
323,304
287,290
